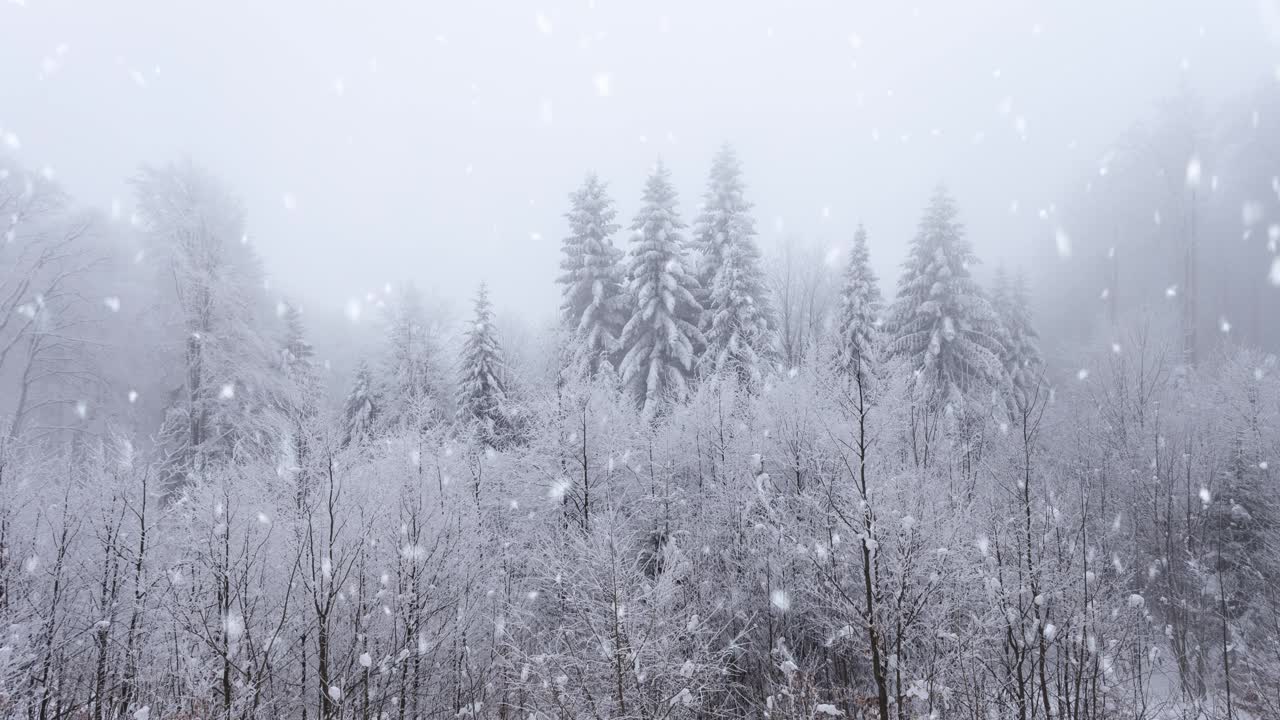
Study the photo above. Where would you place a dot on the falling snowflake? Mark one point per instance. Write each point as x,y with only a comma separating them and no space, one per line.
112,303
234,626
365,660
1171,291
1224,325
289,200
1193,172
780,600
82,409
227,392
1205,496
543,23
1063,241
603,83
1274,275
335,693
1082,374
133,396
1251,213
558,489
262,518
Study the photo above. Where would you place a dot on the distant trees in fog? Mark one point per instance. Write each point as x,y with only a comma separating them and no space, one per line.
737,489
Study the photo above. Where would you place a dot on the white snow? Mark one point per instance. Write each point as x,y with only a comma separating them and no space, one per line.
1063,242
603,83
233,624
1193,172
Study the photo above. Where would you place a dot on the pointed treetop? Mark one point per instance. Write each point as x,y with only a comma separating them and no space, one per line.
593,297
481,384
941,322
859,314
660,337
738,319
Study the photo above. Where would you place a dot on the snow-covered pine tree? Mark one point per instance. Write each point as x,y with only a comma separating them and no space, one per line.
660,337
941,322
737,319
410,384
481,386
299,397
594,304
859,313
297,362
1021,356
360,411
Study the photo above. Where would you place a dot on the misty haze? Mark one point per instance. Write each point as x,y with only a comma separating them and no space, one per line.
593,359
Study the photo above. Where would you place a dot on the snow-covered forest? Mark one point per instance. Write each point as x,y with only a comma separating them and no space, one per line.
738,474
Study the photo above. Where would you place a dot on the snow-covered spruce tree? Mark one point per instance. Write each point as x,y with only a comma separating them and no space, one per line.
737,319
660,337
300,395
594,300
360,411
941,322
1021,356
481,388
410,382
297,362
859,314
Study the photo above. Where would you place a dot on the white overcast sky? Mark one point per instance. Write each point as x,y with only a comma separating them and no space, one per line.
437,141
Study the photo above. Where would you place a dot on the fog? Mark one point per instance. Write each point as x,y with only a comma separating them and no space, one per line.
689,360
437,142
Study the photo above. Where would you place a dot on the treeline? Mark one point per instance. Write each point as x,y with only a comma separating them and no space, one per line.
696,509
